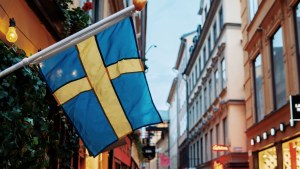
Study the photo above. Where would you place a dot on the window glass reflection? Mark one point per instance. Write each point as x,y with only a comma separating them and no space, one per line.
278,69
258,88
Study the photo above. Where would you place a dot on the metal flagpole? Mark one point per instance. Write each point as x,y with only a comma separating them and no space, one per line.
73,39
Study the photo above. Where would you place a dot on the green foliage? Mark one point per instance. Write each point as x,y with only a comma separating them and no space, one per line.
76,18
28,131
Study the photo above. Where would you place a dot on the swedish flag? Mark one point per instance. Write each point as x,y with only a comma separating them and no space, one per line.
101,85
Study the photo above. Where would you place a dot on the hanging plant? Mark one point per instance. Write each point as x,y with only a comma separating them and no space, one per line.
76,18
29,136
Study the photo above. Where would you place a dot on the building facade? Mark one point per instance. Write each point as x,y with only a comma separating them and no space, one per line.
271,38
216,99
172,100
186,41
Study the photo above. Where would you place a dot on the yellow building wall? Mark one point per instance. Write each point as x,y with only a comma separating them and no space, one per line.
32,35
99,162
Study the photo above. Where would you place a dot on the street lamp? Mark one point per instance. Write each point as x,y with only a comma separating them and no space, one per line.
152,46
144,58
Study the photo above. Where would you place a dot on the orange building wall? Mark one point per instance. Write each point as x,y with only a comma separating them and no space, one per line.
32,35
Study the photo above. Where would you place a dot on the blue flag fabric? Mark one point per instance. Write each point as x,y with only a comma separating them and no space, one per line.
101,85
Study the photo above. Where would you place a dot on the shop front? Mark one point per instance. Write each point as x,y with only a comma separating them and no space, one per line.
238,160
289,154
275,142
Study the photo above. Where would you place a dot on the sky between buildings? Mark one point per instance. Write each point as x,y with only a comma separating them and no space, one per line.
167,21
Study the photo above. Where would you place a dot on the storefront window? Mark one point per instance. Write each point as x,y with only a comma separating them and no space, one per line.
267,159
291,154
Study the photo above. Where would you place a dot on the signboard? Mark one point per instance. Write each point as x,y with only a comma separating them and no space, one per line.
217,165
295,107
218,147
164,160
149,152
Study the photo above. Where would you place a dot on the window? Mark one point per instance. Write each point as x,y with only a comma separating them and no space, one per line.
191,155
193,79
297,23
201,151
225,131
223,69
206,149
190,119
211,143
202,62
216,76
217,136
258,88
197,111
205,98
196,70
193,118
215,33
199,65
209,93
194,155
267,158
197,153
252,8
200,108
278,70
290,152
209,45
189,86
217,133
221,21
204,55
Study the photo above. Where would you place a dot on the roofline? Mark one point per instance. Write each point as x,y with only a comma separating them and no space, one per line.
204,32
181,48
187,34
172,90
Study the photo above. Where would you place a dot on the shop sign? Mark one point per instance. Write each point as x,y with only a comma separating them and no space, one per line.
218,147
218,165
295,107
148,152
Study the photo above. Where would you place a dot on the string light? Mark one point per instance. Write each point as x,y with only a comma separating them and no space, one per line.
11,34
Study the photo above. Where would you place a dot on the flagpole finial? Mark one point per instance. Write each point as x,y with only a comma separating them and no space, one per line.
139,4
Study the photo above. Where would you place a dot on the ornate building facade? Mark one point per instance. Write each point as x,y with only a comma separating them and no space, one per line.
271,64
215,91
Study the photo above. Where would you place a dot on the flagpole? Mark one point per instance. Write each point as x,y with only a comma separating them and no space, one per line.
74,39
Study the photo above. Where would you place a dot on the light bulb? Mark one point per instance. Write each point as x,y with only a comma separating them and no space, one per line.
11,34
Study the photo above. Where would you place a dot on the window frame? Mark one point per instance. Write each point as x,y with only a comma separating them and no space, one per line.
221,18
252,4
297,40
215,34
216,79
209,45
255,88
223,73
225,130
210,98
275,102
